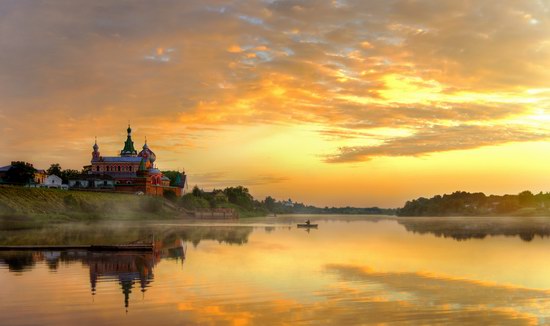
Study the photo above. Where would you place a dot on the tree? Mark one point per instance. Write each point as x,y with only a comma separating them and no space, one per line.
174,176
68,174
240,196
20,173
197,192
54,169
191,202
526,198
269,203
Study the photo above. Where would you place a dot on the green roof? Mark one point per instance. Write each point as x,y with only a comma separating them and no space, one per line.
142,165
128,145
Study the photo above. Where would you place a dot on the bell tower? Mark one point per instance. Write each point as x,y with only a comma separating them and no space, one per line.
128,149
95,153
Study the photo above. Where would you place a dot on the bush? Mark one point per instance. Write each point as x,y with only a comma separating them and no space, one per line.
151,204
170,195
189,201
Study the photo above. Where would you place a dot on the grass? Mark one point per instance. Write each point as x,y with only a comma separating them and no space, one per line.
22,207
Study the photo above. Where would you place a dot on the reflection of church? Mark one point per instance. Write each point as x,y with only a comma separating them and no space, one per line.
127,268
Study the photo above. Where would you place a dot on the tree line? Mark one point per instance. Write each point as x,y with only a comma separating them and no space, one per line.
468,204
240,198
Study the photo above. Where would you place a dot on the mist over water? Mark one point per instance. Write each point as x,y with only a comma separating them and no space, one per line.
350,270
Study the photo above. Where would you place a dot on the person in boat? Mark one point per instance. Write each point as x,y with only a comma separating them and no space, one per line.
308,222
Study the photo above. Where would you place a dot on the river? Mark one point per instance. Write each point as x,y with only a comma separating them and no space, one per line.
349,270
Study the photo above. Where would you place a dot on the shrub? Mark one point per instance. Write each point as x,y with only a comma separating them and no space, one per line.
189,201
170,195
151,204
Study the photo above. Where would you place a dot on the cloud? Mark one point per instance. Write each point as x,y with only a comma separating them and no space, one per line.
439,139
221,179
160,55
424,297
343,65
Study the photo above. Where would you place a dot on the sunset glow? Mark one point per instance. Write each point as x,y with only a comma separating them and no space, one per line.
331,103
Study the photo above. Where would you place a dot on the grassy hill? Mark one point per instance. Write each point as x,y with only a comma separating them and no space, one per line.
31,205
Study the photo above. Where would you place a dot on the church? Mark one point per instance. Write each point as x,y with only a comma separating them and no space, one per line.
129,172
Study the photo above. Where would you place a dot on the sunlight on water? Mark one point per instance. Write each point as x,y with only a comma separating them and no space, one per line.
270,272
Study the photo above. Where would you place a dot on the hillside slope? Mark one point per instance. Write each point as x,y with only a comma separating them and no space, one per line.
53,204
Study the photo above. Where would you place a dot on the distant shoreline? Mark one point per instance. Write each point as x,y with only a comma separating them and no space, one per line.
461,203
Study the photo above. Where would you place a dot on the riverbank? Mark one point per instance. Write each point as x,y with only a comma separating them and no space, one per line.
22,207
461,203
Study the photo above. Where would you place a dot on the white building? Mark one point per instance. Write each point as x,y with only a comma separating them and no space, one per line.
53,181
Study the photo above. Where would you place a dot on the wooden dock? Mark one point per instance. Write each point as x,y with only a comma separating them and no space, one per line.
124,247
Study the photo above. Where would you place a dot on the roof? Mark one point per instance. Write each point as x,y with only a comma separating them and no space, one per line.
92,177
117,175
129,144
116,159
122,175
5,168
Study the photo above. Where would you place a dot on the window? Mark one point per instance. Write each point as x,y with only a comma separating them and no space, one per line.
119,168
97,168
130,168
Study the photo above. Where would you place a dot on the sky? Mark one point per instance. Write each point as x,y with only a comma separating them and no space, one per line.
331,103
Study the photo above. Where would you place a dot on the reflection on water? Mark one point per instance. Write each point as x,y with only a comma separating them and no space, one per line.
463,228
434,298
117,233
351,271
129,269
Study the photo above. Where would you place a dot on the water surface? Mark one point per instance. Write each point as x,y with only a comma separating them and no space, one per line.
357,270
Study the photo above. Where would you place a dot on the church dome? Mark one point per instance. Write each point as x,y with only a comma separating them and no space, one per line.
147,153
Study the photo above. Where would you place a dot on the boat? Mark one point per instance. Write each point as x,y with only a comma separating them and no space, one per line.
305,225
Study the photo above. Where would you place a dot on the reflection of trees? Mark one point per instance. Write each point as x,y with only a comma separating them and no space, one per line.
478,228
223,234
18,261
107,234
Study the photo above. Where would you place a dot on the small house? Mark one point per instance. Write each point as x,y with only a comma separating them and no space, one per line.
53,181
